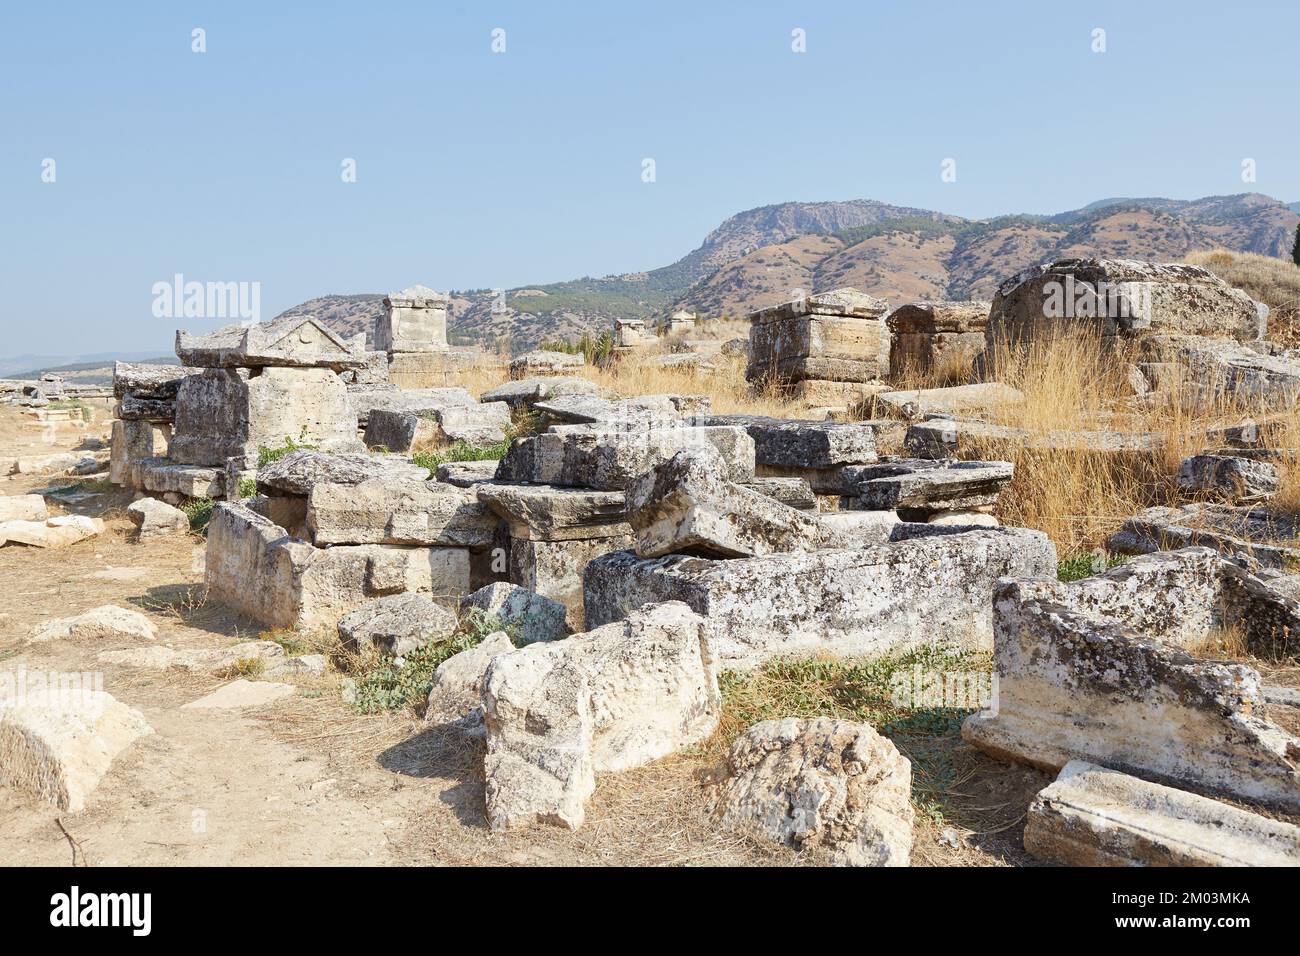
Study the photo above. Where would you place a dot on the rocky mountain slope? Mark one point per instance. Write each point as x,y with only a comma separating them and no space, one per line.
764,255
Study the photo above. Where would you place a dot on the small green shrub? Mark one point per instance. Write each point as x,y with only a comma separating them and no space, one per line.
199,511
267,455
247,488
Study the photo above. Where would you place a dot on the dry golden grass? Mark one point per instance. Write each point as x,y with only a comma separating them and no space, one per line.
1275,282
1076,383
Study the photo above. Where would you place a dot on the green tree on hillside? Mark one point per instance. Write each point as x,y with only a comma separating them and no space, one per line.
1295,250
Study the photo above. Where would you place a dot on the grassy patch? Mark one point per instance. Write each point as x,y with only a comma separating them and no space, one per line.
386,683
248,668
918,698
267,455
461,451
1086,565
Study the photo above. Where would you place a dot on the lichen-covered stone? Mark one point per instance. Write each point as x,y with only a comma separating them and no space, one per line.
931,585
824,784
1072,685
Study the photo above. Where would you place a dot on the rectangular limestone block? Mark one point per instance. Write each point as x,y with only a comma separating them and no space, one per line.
389,512
825,347
437,368
554,569
1092,816
592,456
929,585
256,568
231,413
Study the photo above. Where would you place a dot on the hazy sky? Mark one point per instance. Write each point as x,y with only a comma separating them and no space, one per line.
484,169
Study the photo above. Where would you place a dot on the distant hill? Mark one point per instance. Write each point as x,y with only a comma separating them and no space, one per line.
94,369
762,256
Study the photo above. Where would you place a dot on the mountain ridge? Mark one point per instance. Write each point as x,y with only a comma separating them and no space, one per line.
764,255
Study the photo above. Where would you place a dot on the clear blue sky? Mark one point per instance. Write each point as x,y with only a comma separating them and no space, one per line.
477,169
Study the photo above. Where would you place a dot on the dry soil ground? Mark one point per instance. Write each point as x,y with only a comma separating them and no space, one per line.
308,781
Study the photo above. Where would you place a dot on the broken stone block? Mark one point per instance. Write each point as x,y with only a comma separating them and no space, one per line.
131,443
106,621
1121,297
1224,371
240,694
298,472
467,474
549,513
456,694
1251,536
154,410
1235,480
928,585
928,486
951,438
1092,816
584,456
153,518
1072,685
218,662
797,444
555,569
23,508
964,519
373,372
838,336
414,320
643,411
823,784
685,506
367,399
529,616
58,749
293,341
611,699
979,398
858,529
419,370
401,431
795,492
532,364
148,381
163,476
382,511
256,568
818,393
930,337
52,533
231,413
396,625
526,392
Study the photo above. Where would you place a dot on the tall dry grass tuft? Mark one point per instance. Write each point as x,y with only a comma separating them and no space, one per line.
1079,382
